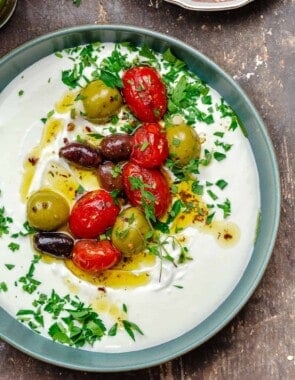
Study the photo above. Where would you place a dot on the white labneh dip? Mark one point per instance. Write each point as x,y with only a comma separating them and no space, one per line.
40,110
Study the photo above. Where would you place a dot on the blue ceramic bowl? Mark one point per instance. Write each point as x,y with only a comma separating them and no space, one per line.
27,341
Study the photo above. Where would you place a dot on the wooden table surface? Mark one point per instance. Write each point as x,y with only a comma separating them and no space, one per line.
254,44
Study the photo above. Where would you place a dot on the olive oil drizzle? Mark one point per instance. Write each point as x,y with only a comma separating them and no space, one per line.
226,233
51,129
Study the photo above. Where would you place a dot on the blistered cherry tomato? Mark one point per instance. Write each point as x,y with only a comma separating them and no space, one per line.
142,184
149,146
92,214
94,256
145,93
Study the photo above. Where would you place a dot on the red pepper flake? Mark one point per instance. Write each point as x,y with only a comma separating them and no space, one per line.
70,127
88,129
102,289
33,160
227,236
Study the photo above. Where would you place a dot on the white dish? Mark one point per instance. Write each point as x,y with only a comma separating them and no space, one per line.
210,5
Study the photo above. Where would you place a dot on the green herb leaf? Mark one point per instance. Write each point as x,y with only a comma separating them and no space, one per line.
5,222
111,79
207,99
221,183
197,188
30,284
113,330
28,230
219,156
184,255
9,266
226,207
145,51
72,76
210,218
13,246
3,287
130,328
212,195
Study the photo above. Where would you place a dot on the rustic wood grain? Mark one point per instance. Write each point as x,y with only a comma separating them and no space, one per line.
255,45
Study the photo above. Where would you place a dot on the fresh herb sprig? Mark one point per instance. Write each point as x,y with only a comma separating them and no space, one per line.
130,327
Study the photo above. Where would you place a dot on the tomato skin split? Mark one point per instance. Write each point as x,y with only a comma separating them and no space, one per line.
145,93
153,181
94,256
150,146
92,214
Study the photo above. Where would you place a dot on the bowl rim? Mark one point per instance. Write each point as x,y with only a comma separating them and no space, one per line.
209,5
43,349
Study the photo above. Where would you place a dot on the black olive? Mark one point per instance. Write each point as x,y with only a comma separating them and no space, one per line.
116,147
56,244
110,176
81,154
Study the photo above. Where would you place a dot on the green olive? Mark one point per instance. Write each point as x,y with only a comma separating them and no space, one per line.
100,101
129,231
47,210
183,143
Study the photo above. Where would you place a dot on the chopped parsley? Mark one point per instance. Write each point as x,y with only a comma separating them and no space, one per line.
147,197
219,156
197,188
221,183
227,111
226,207
5,222
3,287
28,230
29,283
74,323
9,266
13,246
146,52
210,218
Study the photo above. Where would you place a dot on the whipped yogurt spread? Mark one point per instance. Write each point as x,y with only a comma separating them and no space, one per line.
156,300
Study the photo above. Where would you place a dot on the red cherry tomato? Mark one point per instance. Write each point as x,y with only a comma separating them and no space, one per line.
145,93
92,214
94,256
141,184
150,146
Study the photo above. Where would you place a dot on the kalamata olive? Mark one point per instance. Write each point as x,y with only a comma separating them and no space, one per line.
116,147
183,143
57,244
110,176
81,155
100,101
47,210
129,231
